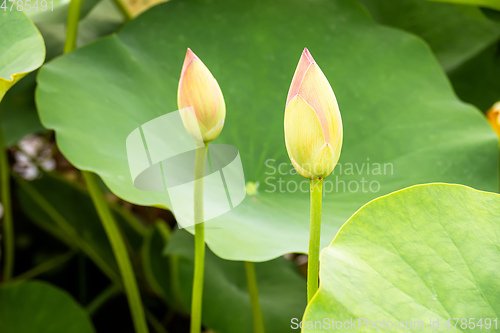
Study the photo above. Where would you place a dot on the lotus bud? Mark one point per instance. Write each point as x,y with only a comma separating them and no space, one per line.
313,126
493,116
200,100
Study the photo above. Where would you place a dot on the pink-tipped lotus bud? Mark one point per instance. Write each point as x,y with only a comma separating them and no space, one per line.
200,100
313,126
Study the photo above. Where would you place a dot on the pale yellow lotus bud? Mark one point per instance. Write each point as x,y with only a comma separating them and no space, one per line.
493,116
200,100
313,126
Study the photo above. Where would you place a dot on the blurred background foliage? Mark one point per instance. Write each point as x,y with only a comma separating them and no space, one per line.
60,240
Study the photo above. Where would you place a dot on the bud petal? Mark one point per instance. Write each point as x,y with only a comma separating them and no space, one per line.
316,91
305,61
214,132
313,125
200,92
191,123
303,136
324,161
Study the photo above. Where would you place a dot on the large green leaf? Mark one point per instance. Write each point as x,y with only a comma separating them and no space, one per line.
30,307
398,110
66,211
22,48
426,252
226,302
456,33
463,38
22,51
17,111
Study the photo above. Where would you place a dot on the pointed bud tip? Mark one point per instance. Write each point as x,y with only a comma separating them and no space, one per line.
190,56
190,53
306,54
305,61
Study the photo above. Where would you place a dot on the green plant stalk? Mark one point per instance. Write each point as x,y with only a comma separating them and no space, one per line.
46,266
120,252
199,240
103,210
68,235
8,223
175,284
122,7
102,298
75,7
314,238
82,278
253,291
155,323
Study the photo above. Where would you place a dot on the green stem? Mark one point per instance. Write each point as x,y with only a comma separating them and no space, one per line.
102,298
120,252
103,210
82,278
175,284
124,9
155,323
314,238
258,321
8,223
72,25
65,231
46,266
199,240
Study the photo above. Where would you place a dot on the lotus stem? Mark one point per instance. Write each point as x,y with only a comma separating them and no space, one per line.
258,320
102,208
199,240
120,252
5,196
314,238
75,7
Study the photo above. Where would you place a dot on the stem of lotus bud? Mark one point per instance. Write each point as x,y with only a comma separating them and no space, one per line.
199,240
314,237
